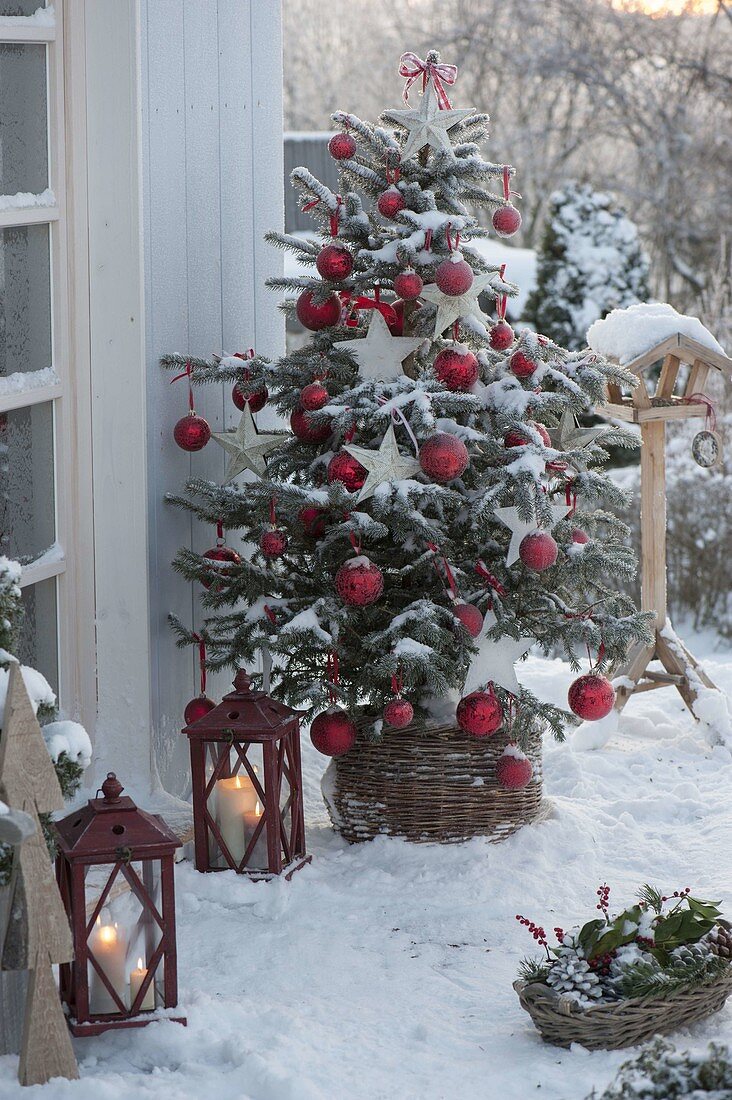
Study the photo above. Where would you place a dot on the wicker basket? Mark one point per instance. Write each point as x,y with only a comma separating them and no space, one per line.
428,783
561,1021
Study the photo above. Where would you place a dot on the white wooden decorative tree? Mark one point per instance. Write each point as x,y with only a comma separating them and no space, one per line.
38,933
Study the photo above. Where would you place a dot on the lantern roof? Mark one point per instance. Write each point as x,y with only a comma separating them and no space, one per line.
99,831
244,715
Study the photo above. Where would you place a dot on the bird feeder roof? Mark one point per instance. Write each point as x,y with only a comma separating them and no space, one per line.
684,348
244,715
97,832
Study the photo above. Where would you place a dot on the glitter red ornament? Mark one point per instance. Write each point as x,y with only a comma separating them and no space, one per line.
223,557
507,220
334,262
313,521
242,397
345,468
197,708
398,713
513,770
332,732
341,146
314,396
390,202
192,432
454,276
273,543
359,582
470,616
443,457
308,430
318,315
517,438
408,285
500,336
538,551
521,365
591,696
480,714
580,537
456,368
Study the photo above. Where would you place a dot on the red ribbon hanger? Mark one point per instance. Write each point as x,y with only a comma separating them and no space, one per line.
201,660
354,304
187,374
413,67
449,577
333,674
495,584
501,299
710,418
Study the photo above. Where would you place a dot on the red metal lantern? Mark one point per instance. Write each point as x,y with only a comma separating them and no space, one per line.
247,785
114,868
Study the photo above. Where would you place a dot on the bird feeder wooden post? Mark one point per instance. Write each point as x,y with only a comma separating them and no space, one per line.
652,412
247,785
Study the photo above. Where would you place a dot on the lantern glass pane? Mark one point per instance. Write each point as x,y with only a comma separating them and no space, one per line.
236,805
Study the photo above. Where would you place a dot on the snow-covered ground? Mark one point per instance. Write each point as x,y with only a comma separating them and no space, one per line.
384,970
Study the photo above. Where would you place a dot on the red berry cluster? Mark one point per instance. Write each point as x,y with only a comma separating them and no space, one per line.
601,965
603,893
678,894
645,941
559,933
536,930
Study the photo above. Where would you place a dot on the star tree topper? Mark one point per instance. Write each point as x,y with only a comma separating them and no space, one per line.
386,464
428,125
247,448
451,307
495,659
520,527
379,354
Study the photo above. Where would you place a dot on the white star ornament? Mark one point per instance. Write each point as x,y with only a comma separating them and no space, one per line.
428,125
451,307
379,354
494,662
386,464
247,448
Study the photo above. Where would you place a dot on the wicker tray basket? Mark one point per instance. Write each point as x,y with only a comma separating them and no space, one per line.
561,1021
428,783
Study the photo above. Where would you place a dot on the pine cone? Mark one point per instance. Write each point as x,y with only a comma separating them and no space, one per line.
572,975
720,939
689,955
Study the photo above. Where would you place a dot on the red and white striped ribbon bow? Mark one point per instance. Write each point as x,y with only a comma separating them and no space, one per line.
412,67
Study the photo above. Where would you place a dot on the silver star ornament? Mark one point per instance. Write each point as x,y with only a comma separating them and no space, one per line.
520,527
451,307
379,354
386,464
494,662
569,436
428,125
247,448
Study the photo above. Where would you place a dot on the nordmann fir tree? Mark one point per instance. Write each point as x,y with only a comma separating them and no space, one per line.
434,509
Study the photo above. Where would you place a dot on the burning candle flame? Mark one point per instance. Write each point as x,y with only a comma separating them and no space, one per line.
258,810
139,963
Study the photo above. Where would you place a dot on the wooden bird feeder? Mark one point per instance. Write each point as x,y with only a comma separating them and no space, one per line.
124,972
247,785
651,411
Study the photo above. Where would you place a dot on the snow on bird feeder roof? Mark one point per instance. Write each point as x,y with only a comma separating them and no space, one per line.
637,336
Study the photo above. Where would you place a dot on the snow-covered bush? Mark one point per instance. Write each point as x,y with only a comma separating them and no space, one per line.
590,261
660,1072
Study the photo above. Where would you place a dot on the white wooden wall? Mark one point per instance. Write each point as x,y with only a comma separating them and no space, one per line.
212,185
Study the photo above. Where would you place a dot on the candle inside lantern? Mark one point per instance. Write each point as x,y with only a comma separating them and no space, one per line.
235,799
258,859
137,977
108,946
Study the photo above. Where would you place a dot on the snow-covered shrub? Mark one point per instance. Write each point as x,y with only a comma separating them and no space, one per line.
660,1072
591,261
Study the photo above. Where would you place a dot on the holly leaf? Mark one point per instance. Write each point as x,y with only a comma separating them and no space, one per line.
588,936
707,909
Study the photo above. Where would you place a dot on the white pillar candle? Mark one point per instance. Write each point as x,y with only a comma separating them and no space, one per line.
235,797
137,977
107,943
258,859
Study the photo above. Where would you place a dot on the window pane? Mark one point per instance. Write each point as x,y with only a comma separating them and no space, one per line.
38,644
20,7
25,299
27,514
23,119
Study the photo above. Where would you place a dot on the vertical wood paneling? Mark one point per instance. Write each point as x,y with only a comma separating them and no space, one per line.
213,185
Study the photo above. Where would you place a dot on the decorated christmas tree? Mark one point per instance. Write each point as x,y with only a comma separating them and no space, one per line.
433,510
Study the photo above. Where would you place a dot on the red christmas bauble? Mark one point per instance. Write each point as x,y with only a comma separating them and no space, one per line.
317,316
359,582
313,520
273,543
256,400
457,370
479,714
332,732
390,202
521,365
538,551
314,396
396,328
518,439
443,457
197,708
591,696
334,262
470,616
224,556
341,146
500,337
398,713
454,277
307,430
347,469
192,432
507,220
579,536
514,771
408,285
